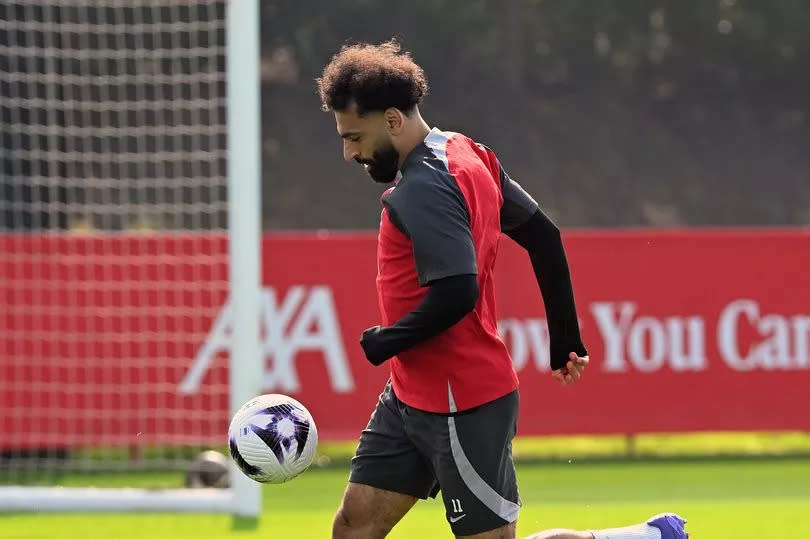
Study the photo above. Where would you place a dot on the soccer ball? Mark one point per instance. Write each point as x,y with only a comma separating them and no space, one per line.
272,438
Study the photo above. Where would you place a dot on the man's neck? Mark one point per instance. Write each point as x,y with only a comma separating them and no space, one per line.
415,137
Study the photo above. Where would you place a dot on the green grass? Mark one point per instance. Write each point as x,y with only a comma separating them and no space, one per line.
703,444
722,498
682,445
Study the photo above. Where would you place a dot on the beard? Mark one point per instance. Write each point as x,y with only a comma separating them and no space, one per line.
383,165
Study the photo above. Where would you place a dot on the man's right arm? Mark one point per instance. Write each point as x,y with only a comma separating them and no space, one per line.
524,222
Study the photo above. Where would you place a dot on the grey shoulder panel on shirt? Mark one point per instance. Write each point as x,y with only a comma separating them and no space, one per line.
518,205
428,207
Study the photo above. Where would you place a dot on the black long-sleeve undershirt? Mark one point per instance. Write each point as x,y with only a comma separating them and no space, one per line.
448,300
542,239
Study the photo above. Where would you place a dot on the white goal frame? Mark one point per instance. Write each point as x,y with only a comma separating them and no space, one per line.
243,498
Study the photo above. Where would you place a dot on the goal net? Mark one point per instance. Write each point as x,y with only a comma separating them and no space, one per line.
114,250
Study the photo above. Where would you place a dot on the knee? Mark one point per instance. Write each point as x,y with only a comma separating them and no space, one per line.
343,524
350,524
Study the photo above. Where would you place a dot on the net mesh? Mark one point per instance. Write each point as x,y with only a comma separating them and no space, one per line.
113,253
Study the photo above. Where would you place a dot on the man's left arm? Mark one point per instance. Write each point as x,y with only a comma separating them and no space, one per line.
524,222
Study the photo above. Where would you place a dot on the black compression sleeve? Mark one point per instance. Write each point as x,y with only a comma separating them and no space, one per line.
448,300
541,238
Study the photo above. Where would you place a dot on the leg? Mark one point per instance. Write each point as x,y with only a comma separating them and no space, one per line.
663,526
471,453
561,534
388,475
369,513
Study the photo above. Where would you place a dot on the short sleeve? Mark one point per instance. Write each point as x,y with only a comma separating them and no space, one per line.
518,205
430,209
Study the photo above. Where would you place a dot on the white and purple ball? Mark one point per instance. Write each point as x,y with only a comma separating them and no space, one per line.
272,438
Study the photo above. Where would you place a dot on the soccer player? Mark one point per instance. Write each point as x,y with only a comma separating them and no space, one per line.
446,418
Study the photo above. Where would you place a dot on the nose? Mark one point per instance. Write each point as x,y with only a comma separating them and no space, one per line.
349,153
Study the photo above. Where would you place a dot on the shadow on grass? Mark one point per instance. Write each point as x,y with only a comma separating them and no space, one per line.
240,523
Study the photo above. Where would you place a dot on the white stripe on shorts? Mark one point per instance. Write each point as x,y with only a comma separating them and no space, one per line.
489,497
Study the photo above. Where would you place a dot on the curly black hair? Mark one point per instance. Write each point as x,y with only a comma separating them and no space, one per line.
374,77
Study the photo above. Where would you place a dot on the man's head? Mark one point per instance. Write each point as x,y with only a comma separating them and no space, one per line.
374,91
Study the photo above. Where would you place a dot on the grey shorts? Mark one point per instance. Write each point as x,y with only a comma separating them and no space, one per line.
467,455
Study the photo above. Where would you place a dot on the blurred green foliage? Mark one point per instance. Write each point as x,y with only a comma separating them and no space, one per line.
611,112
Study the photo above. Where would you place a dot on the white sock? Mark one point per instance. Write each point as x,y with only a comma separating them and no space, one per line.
639,531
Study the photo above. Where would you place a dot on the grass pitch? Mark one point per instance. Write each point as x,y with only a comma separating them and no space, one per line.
722,499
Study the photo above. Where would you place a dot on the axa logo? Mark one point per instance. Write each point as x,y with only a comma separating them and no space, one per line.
304,319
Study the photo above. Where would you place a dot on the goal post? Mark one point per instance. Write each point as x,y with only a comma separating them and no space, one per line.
129,217
244,186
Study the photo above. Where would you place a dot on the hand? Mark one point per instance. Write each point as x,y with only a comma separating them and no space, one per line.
572,370
372,347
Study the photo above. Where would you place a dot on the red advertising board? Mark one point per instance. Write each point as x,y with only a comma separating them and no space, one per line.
124,339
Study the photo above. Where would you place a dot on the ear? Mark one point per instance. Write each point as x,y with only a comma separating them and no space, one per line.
394,120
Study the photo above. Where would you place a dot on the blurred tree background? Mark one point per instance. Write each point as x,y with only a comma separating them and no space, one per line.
611,113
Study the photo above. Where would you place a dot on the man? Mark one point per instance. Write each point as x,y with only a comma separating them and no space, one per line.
446,419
